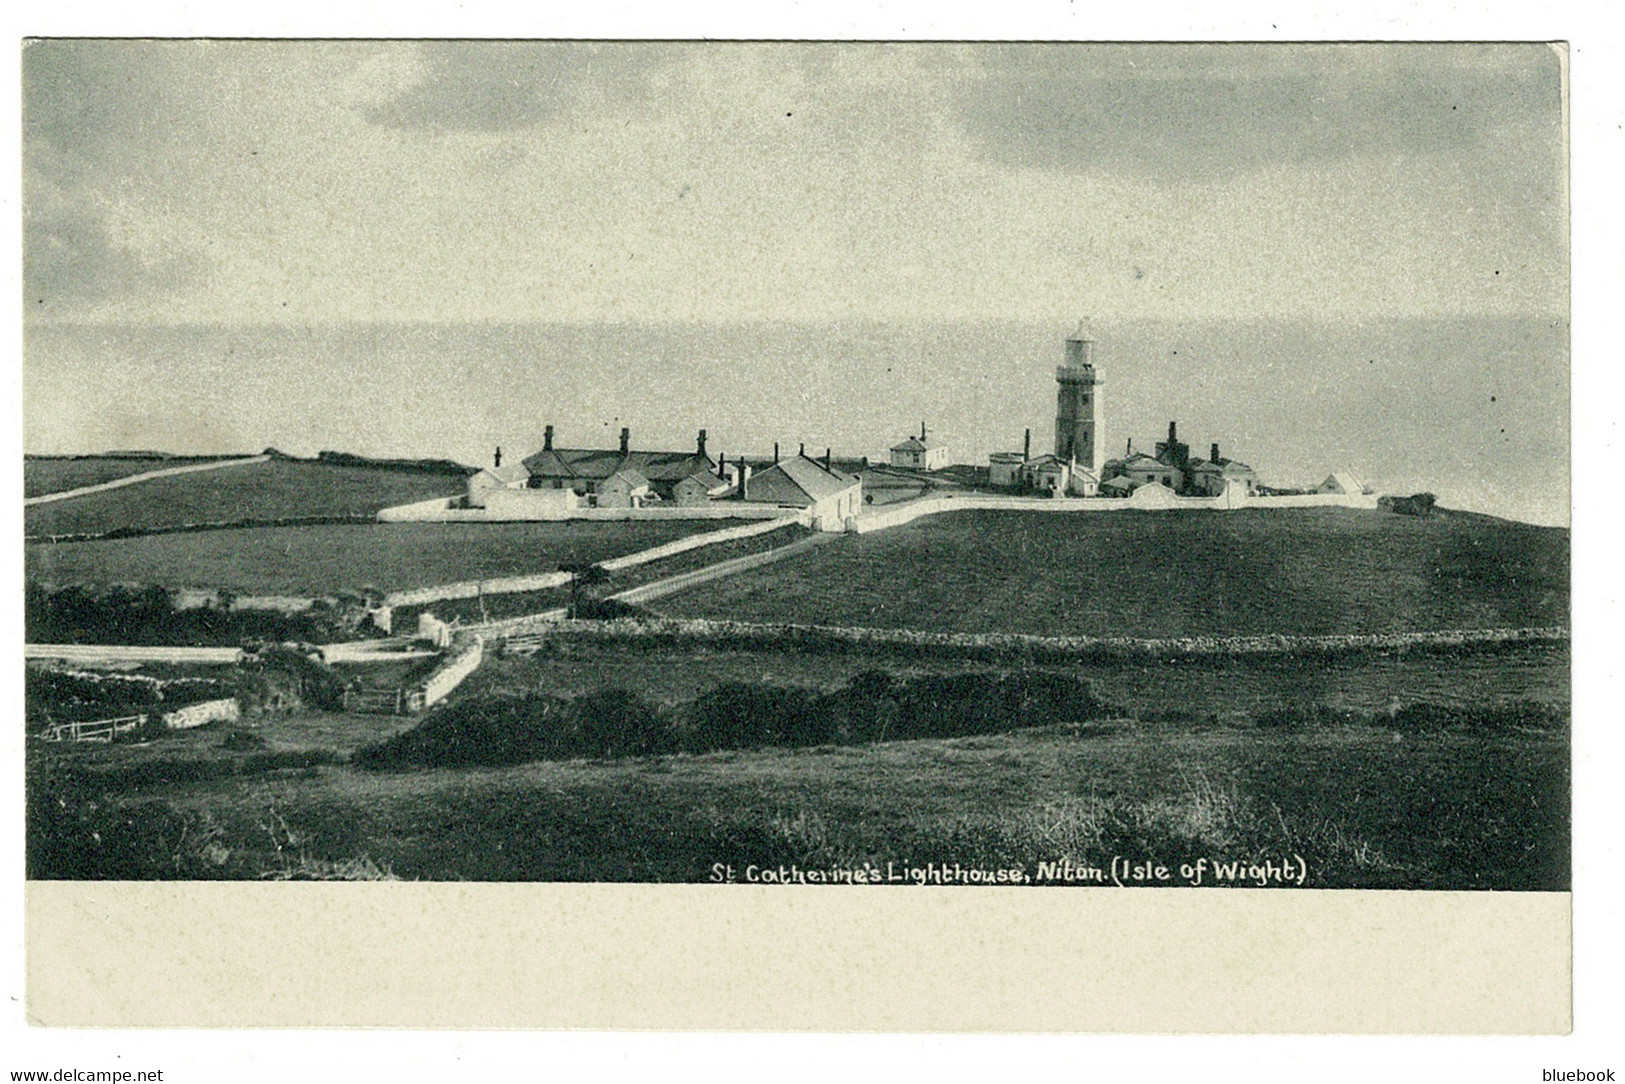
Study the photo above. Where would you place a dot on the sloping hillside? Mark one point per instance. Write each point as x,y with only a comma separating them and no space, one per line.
325,559
58,474
1308,571
274,489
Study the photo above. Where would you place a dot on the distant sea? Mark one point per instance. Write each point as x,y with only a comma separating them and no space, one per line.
1474,410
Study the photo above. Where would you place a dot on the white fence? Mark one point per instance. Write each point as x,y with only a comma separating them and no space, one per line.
97,730
1315,500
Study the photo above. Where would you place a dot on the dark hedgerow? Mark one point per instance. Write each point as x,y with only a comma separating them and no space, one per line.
1524,715
513,728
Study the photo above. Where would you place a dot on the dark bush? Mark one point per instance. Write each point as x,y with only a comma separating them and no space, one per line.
493,730
614,722
874,706
60,695
278,676
1418,504
80,614
607,609
737,715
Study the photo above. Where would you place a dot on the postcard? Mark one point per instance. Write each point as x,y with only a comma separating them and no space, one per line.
921,536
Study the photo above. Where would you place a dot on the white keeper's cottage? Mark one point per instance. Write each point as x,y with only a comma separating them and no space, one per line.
920,453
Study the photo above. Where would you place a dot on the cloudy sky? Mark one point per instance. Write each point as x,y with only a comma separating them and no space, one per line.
252,182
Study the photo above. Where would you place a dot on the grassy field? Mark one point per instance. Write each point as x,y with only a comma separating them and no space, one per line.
1243,760
318,560
1306,571
44,475
1364,806
270,490
520,604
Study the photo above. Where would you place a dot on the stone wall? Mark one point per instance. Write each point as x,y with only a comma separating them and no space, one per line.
464,659
1022,645
693,542
474,588
203,713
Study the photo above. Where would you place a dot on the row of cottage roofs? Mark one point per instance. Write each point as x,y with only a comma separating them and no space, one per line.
627,477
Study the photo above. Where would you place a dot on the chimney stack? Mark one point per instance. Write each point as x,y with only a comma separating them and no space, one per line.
1027,445
775,453
1214,458
1172,433
802,451
744,477
497,459
922,429
722,464
626,439
701,442
547,439
828,459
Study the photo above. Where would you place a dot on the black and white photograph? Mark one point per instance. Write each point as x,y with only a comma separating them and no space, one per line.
806,464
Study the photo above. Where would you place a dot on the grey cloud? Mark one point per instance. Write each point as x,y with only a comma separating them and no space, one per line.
99,117
96,110
69,257
504,86
1182,113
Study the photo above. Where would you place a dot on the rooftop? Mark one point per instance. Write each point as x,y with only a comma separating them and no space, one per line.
593,463
810,476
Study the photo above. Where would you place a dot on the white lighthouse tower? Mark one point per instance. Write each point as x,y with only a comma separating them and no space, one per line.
1077,403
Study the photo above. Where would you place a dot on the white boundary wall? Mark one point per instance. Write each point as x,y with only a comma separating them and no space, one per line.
505,585
694,542
450,674
92,654
440,510
1145,498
